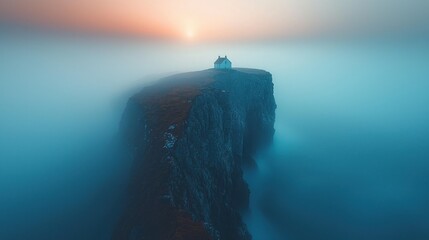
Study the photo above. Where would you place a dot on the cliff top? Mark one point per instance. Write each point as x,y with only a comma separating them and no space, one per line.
168,101
183,81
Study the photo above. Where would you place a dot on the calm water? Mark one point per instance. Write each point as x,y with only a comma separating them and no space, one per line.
349,161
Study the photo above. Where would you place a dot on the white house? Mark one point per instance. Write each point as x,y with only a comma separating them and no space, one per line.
222,63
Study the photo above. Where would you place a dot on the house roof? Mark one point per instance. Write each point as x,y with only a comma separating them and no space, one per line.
220,60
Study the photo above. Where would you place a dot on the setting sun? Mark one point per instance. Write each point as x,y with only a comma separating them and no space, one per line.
190,34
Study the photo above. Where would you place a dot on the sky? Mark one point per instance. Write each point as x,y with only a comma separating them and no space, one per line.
221,19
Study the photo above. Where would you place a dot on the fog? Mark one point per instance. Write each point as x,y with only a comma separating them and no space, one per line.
349,158
350,154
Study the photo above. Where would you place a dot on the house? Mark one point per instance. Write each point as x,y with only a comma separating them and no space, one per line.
222,63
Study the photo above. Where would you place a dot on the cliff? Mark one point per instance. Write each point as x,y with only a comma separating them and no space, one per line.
191,134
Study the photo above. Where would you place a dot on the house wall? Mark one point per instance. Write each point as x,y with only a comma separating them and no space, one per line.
227,64
223,65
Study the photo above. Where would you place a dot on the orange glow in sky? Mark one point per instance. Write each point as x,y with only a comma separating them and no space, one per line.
200,20
186,20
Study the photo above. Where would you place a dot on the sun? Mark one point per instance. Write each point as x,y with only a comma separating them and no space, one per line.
190,34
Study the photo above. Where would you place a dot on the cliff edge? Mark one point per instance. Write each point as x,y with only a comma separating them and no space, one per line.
191,134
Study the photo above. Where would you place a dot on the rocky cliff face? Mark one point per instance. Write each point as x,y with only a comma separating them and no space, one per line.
191,134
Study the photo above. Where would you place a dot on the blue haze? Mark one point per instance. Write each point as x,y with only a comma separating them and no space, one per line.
349,160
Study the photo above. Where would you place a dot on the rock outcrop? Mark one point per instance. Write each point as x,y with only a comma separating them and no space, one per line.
191,135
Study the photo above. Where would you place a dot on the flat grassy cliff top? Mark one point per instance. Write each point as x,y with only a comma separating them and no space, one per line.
189,82
167,102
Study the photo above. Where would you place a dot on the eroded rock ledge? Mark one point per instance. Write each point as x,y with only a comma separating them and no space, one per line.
191,135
